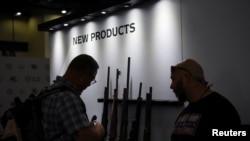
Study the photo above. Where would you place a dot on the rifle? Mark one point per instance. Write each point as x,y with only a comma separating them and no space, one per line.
105,104
134,132
147,129
113,124
124,118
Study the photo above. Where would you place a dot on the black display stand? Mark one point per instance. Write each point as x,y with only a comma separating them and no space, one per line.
154,102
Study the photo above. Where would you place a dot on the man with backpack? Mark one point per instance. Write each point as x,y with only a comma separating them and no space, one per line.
64,116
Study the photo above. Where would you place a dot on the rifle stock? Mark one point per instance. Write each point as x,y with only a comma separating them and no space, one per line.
113,124
147,129
134,132
124,116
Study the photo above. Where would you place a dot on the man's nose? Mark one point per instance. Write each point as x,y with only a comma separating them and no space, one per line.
171,86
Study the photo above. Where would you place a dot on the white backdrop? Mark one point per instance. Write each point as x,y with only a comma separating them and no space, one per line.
153,47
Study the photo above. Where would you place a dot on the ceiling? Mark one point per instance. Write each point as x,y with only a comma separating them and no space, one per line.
76,8
11,6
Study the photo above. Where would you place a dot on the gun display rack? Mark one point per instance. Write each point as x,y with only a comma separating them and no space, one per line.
154,102
124,135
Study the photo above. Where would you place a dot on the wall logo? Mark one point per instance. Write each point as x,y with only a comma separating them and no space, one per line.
103,34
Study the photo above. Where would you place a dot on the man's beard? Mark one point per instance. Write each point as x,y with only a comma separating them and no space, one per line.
180,92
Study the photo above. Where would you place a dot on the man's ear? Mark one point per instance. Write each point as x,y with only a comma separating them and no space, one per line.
187,77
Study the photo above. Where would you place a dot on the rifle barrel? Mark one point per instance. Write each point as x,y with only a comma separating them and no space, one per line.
105,104
128,73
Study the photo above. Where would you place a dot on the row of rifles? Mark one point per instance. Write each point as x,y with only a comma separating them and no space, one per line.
135,127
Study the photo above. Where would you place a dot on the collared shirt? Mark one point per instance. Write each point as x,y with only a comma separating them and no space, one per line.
64,113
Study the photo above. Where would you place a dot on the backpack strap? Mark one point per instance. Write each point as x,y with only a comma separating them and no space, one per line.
46,92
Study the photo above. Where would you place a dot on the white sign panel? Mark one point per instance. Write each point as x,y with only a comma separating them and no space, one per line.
149,34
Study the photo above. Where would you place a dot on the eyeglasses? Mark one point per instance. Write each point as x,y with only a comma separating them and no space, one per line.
93,82
92,76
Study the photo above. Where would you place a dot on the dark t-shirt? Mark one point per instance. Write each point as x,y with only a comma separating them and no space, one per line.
198,119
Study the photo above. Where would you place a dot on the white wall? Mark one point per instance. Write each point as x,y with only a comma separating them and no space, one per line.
154,46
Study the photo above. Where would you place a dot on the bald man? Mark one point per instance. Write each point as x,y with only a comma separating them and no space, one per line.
207,110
